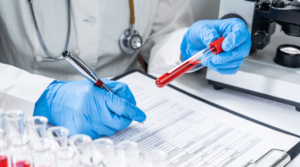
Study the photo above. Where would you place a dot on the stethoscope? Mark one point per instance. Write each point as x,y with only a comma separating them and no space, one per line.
129,42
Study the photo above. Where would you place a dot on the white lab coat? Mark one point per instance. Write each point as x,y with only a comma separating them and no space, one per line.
96,26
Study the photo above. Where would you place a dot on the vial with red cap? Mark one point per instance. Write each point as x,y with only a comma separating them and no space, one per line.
192,64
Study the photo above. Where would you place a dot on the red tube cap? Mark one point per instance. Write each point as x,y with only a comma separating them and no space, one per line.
216,46
99,83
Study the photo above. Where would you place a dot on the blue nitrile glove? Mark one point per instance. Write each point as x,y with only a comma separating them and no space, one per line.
236,45
84,108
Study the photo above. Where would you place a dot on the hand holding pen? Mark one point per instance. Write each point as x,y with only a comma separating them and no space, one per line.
82,68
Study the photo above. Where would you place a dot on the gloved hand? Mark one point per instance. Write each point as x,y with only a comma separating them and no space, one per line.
236,44
84,108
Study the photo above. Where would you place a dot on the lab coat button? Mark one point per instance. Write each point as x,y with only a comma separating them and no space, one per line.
38,58
90,20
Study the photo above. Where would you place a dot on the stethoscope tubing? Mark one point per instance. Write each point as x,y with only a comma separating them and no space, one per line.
51,57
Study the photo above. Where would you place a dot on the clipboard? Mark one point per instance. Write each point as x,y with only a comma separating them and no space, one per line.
281,161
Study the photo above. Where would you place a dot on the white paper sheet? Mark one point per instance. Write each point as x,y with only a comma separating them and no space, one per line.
195,133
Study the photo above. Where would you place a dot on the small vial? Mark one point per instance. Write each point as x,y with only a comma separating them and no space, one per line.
106,148
37,127
127,154
156,158
2,119
59,134
3,151
66,157
20,152
14,124
41,152
79,141
192,64
91,157
3,161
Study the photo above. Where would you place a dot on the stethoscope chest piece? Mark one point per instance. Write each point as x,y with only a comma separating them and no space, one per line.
130,41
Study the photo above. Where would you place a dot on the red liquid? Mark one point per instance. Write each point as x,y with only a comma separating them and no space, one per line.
169,77
3,161
23,163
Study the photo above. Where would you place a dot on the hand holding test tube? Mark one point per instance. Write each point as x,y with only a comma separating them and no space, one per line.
192,64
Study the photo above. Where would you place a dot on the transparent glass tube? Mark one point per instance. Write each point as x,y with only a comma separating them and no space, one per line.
2,119
3,150
106,148
192,64
20,152
156,158
91,157
79,141
66,157
59,134
14,124
37,127
127,154
41,152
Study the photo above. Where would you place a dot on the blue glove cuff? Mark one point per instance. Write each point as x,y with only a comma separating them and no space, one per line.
43,105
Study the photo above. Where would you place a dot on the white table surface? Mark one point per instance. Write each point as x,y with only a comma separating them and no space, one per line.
270,112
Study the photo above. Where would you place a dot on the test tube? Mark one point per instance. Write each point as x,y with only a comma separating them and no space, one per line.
156,158
66,157
59,134
14,124
41,152
91,157
20,152
106,148
79,141
127,154
2,119
3,151
37,127
192,64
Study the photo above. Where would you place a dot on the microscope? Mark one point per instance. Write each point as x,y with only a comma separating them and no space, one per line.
272,70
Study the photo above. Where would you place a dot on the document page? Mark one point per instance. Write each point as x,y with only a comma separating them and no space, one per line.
194,133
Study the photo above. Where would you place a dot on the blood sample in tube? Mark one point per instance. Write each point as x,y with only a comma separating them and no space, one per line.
23,163
3,161
173,74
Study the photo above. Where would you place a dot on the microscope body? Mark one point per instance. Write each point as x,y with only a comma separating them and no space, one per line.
272,70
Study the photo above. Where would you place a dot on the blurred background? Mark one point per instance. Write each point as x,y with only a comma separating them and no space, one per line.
205,9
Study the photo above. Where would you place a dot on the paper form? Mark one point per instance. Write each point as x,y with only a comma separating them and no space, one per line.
194,133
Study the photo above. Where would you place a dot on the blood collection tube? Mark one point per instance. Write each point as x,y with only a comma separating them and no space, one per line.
3,151
20,152
127,154
190,64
